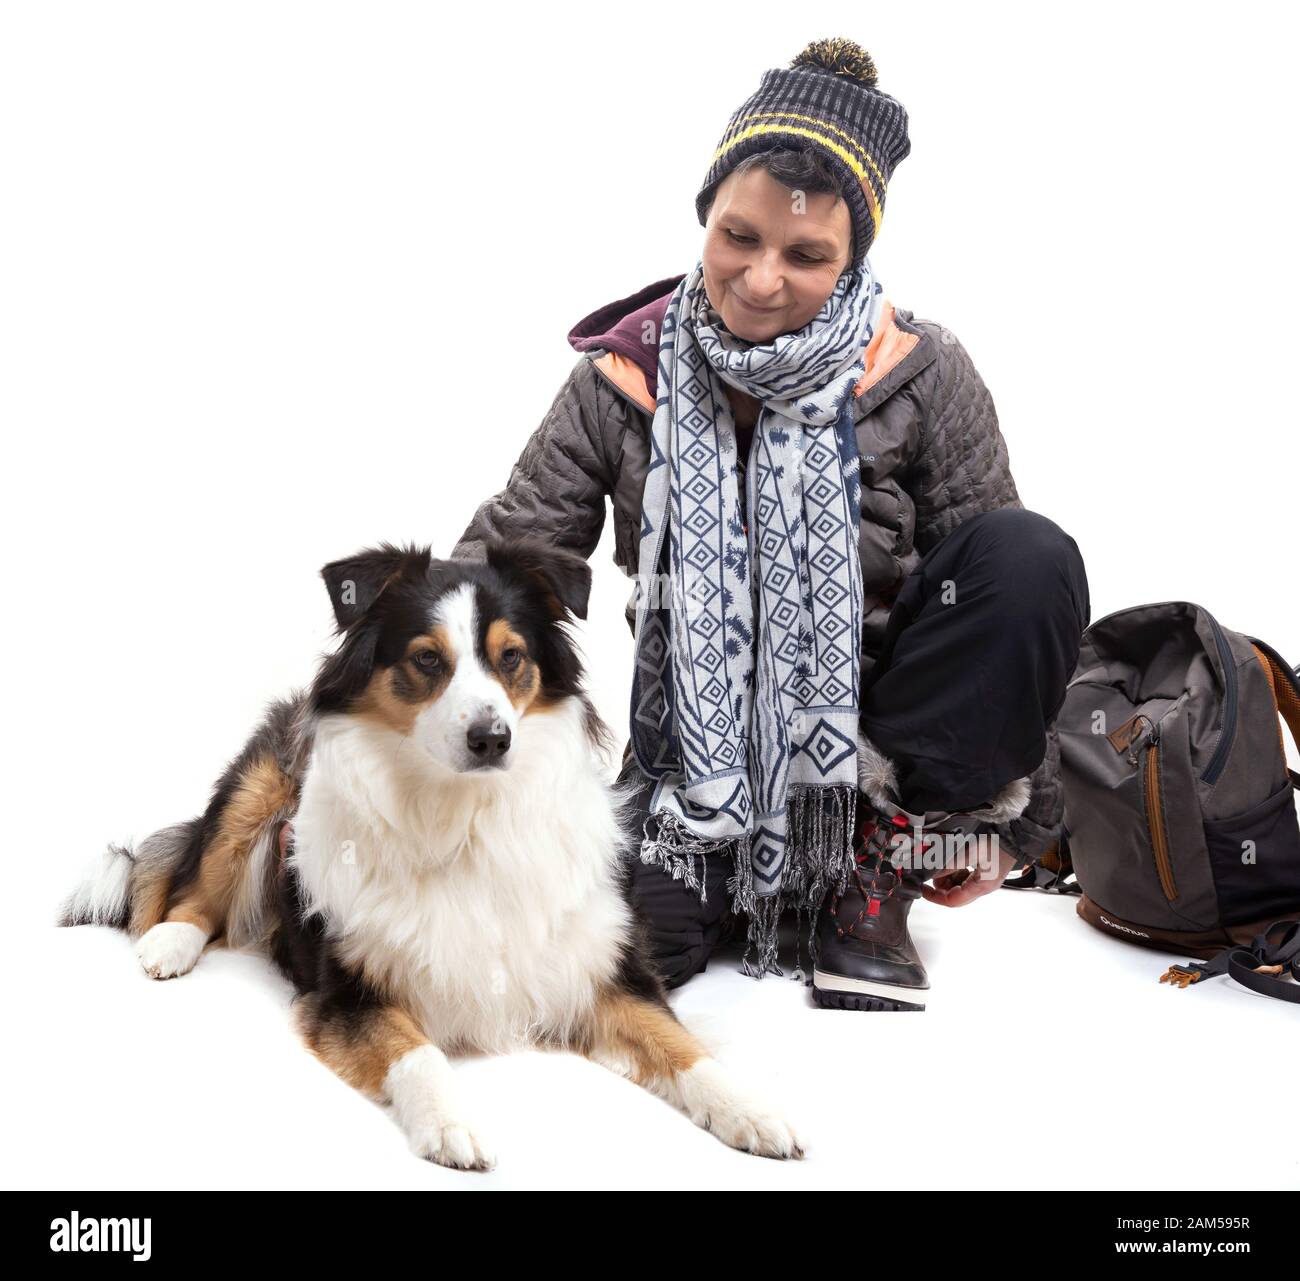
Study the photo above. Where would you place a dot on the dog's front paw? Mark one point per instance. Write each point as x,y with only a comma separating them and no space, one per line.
424,1095
171,948
754,1128
455,1144
717,1104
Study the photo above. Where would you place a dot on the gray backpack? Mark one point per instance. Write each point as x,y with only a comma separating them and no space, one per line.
1180,815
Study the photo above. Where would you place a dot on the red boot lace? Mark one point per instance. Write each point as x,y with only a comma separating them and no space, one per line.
870,866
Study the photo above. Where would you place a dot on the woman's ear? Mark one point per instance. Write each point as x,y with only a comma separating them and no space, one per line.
356,582
563,577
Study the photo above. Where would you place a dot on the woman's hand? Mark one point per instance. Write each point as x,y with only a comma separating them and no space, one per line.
957,886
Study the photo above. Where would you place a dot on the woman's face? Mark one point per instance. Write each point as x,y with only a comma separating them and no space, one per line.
772,255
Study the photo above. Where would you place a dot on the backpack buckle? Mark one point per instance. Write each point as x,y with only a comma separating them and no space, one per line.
1181,976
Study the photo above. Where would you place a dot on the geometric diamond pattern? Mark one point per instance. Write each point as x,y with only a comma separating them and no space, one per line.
827,746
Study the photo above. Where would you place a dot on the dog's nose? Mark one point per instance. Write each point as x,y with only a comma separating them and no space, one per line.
488,740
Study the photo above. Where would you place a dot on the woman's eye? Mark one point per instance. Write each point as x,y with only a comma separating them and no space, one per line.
739,239
426,660
511,658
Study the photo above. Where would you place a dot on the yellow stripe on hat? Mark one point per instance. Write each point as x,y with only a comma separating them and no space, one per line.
824,124
844,154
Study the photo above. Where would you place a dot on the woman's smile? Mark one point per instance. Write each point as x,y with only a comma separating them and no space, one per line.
762,311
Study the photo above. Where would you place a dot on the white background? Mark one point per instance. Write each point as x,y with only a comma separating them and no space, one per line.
283,280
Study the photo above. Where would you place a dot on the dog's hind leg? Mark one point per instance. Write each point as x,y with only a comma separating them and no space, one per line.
380,1050
641,1038
226,886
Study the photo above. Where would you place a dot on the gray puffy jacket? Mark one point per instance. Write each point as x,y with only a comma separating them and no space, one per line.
932,456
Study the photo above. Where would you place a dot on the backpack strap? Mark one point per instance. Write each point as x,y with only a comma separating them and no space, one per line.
1284,681
1262,966
1052,871
1272,955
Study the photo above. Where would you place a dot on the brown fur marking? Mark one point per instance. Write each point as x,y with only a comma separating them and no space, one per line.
396,695
523,682
650,1035
360,1048
263,792
150,885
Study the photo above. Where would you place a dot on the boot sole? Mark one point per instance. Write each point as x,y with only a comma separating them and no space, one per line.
835,992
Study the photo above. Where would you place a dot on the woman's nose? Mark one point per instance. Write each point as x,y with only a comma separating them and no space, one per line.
763,282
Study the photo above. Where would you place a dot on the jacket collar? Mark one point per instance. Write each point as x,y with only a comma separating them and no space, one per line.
897,352
626,332
630,327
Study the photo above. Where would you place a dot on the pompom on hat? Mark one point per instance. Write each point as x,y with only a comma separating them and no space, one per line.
827,99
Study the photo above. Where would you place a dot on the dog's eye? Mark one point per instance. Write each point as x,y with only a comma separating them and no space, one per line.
511,658
426,660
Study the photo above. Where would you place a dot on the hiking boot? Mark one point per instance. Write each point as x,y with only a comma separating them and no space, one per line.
866,959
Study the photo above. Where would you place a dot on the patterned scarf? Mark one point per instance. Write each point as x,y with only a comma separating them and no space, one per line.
749,617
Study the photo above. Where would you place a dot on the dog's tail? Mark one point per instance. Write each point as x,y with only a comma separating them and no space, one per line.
127,889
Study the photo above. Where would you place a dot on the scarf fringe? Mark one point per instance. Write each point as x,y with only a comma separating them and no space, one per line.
819,856
675,848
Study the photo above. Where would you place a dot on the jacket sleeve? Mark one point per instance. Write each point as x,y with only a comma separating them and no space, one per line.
961,468
557,487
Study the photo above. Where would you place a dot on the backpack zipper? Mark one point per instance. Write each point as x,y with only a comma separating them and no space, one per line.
1155,814
1220,757
1122,739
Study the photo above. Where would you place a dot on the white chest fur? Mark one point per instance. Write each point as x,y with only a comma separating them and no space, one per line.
487,903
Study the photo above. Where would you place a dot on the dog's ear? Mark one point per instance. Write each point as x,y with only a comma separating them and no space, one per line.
563,577
356,582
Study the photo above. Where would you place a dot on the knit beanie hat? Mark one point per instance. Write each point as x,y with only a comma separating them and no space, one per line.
826,99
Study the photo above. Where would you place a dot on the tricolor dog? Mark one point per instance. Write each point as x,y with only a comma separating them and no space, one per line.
455,878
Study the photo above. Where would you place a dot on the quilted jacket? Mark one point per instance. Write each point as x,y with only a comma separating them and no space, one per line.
932,456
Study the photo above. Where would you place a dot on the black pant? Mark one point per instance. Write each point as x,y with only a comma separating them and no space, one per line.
978,647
